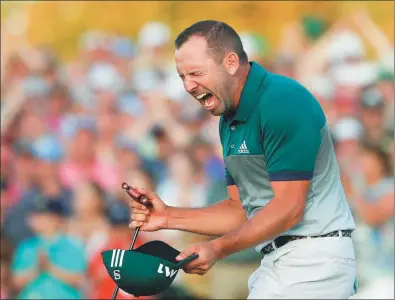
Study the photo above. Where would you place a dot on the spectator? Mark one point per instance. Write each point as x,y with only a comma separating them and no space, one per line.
127,156
373,116
347,134
21,177
88,222
82,163
47,153
375,208
49,265
58,104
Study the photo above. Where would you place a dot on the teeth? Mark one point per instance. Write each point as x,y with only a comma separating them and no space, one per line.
201,96
208,102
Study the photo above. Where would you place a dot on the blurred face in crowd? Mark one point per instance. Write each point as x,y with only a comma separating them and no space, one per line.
372,165
387,89
373,118
47,171
181,168
165,146
87,202
107,126
45,223
16,68
128,159
84,145
31,125
347,151
210,82
25,167
105,101
285,67
58,102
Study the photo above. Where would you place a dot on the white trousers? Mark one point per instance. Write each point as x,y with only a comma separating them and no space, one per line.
316,268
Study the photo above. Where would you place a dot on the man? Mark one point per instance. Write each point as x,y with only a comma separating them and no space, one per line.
285,193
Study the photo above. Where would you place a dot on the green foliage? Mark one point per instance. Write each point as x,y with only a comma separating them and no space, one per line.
61,23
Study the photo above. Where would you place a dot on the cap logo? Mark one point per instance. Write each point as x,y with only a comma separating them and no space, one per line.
168,272
117,257
117,275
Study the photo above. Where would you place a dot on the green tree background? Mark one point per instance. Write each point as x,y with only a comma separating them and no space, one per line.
61,23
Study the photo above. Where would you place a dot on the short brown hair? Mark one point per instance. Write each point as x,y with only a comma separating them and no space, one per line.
220,37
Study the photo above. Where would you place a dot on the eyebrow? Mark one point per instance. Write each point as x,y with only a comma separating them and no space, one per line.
190,72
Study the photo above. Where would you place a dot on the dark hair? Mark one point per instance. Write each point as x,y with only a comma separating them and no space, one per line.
380,154
220,37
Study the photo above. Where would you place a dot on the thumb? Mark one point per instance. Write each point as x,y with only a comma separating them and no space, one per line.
186,253
150,195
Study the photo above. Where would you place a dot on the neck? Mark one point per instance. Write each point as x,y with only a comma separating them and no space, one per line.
50,235
244,70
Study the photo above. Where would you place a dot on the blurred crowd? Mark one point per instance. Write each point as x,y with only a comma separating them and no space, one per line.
73,131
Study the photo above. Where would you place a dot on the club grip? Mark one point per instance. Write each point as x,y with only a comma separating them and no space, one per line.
134,193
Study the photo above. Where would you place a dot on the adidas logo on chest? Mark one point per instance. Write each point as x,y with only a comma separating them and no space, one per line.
243,148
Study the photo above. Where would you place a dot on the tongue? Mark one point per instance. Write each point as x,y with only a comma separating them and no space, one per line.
209,101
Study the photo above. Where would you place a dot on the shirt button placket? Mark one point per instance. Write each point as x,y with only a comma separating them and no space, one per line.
232,128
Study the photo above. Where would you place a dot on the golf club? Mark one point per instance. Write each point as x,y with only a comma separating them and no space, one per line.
143,200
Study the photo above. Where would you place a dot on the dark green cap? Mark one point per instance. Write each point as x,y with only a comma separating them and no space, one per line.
146,270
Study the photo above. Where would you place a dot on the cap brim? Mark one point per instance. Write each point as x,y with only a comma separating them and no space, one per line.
183,262
165,251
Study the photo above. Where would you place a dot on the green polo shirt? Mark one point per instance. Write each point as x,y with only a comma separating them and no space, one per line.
279,133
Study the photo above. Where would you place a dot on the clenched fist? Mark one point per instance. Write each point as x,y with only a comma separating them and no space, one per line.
151,217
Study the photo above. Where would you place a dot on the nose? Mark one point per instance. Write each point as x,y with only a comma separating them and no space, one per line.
190,85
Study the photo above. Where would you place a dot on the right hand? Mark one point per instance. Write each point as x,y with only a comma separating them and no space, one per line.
43,262
151,217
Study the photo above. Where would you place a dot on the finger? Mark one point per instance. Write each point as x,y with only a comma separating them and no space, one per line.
140,212
196,271
147,193
136,204
193,265
135,224
187,252
139,217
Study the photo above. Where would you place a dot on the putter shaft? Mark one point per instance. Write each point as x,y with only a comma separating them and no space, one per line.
115,293
143,200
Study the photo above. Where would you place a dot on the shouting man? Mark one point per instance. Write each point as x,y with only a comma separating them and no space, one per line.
285,194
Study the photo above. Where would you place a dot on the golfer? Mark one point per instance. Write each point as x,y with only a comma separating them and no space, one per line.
285,194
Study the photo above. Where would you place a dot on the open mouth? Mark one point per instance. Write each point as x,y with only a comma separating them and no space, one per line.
207,100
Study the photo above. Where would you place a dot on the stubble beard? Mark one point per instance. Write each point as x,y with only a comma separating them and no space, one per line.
225,100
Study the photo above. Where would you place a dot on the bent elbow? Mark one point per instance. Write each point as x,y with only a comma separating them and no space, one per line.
295,217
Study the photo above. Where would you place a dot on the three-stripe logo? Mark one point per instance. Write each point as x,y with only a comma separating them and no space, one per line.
243,148
117,258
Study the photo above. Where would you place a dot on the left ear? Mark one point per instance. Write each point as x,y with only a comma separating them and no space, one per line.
232,63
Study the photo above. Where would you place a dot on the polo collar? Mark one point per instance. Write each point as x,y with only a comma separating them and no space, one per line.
253,83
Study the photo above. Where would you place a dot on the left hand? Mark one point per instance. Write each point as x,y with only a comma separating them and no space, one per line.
208,256
43,262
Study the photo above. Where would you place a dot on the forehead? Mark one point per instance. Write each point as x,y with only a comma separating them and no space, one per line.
192,54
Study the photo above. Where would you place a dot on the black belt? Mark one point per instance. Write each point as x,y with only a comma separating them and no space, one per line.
285,239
